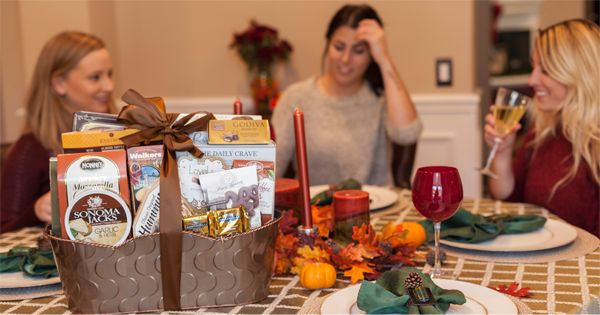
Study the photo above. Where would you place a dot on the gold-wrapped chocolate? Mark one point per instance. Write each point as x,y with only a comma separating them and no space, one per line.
225,222
197,223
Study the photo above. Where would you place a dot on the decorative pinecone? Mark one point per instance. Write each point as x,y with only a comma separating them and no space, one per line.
413,281
430,257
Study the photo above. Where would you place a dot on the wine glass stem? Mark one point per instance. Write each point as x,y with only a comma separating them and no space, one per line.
490,158
437,266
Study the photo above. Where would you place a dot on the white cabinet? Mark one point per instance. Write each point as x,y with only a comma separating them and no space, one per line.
452,135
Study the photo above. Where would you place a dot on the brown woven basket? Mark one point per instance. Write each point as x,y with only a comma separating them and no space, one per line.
127,278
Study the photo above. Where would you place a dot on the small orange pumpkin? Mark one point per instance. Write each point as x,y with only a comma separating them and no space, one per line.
317,275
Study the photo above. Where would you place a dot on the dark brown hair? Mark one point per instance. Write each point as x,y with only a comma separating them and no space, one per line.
351,15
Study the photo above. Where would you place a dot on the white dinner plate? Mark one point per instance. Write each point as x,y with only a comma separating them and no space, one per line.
20,280
554,234
380,197
480,300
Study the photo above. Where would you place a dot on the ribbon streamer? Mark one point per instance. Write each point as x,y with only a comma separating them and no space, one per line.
143,115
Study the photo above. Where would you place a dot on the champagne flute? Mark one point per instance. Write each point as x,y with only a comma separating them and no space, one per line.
436,193
509,107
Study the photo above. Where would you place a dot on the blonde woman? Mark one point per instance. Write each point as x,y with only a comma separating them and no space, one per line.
558,166
73,73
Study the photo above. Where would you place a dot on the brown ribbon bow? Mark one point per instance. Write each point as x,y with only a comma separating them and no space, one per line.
143,115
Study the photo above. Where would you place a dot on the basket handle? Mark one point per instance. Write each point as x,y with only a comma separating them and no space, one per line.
143,115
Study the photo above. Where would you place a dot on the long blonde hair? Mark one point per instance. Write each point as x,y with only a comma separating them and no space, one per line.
47,115
569,52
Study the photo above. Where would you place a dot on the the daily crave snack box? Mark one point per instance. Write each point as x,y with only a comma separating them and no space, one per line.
190,169
233,188
265,171
93,196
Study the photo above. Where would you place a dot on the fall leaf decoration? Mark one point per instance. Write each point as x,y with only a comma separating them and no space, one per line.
288,223
512,289
306,254
323,219
368,255
357,272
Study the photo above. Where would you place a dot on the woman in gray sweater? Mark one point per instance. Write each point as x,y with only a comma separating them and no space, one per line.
353,109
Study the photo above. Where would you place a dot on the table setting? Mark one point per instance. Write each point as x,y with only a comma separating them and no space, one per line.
351,248
564,285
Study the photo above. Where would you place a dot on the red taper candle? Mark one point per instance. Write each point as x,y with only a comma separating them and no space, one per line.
237,106
302,168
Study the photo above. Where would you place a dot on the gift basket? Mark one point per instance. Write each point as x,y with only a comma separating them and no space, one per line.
166,265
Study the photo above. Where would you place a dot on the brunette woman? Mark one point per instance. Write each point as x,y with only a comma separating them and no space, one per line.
353,110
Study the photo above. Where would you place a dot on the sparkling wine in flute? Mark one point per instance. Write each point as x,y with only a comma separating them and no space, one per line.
510,107
506,117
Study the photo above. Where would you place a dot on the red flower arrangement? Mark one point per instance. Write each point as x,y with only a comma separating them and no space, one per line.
260,46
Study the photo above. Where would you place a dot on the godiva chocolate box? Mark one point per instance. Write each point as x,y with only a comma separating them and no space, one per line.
238,131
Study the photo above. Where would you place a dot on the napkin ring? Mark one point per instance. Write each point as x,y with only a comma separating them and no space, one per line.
419,295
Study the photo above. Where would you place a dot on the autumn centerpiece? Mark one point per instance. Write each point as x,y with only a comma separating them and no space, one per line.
260,47
365,257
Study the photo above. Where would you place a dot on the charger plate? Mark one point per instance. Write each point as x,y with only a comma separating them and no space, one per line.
13,294
13,280
554,234
480,300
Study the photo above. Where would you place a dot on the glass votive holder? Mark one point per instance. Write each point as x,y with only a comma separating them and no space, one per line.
351,208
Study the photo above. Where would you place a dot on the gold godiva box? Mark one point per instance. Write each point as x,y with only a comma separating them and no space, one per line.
238,131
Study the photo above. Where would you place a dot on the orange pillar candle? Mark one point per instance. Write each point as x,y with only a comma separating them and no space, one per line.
302,169
237,106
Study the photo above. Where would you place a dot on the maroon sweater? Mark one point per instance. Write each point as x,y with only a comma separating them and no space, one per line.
25,178
577,201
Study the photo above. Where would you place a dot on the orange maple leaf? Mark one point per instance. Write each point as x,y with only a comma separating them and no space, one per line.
393,234
282,264
285,242
358,271
364,234
358,252
306,255
323,218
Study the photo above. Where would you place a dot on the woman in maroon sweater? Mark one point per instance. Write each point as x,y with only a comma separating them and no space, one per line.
73,73
558,165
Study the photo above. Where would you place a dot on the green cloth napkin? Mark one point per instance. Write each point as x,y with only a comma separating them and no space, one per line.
466,227
326,197
389,296
31,261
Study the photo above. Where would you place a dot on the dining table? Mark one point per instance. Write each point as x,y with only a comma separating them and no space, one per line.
561,280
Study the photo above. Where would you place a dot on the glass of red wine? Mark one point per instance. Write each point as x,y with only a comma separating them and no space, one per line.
436,193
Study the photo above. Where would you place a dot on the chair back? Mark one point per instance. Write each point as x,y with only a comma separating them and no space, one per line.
403,160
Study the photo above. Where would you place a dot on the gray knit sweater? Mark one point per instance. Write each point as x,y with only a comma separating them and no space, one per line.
346,137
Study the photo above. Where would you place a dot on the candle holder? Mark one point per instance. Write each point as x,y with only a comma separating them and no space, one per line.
311,231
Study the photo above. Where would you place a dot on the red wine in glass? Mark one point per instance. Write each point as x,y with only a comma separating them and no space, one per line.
437,194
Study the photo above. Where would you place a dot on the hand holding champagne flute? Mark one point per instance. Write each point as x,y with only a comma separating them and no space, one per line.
508,109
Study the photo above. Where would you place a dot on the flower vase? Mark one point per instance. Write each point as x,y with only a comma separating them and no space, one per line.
265,92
